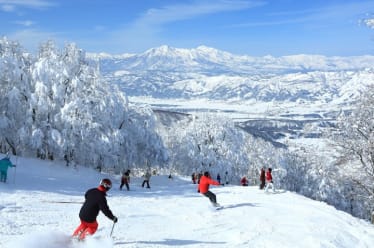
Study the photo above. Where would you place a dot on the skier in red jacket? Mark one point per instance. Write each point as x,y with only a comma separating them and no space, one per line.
244,181
205,181
269,180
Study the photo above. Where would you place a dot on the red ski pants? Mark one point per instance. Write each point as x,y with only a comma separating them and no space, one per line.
85,228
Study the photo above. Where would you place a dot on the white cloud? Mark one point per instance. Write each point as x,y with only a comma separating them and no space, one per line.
325,14
12,5
171,13
26,23
29,3
144,31
7,8
30,39
369,23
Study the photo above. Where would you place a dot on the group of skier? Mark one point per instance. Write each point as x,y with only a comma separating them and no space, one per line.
266,179
125,180
195,177
95,198
205,180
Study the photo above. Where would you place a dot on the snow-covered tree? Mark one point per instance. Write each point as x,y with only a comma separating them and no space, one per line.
15,96
83,119
212,142
354,139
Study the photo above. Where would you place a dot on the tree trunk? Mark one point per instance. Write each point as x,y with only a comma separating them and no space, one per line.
372,217
14,152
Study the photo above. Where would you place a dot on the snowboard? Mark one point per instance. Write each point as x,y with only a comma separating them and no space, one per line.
219,208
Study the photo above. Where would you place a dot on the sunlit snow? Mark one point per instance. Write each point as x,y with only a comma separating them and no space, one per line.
39,208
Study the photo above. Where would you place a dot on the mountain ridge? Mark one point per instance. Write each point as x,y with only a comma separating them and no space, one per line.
166,72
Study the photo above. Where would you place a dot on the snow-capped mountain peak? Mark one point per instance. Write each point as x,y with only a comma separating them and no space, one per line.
206,72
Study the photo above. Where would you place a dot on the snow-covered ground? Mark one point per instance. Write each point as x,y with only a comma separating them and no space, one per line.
39,208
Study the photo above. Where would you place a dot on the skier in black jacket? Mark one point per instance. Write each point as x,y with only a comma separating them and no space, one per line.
95,201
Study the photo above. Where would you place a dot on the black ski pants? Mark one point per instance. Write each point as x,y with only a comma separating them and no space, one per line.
211,196
146,182
127,186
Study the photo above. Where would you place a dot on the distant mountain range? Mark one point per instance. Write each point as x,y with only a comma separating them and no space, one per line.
204,72
270,97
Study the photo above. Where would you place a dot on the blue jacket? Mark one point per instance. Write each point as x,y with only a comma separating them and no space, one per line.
4,164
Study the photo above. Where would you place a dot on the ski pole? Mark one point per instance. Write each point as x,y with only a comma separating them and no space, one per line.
111,232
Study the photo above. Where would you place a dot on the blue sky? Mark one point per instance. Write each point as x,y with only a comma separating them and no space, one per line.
256,28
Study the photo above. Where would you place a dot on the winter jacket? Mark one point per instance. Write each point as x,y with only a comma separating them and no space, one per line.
262,175
147,176
4,164
125,178
269,177
244,181
204,184
95,201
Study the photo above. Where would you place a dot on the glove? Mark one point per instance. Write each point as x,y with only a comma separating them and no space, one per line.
115,219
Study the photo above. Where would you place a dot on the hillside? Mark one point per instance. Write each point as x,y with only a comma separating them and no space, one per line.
171,213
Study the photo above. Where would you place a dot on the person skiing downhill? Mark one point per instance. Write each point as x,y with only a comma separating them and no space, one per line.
262,178
95,200
4,164
203,188
125,180
269,180
219,178
147,177
227,180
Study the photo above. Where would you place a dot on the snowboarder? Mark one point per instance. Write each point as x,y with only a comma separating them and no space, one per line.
147,177
269,181
5,163
205,181
95,200
244,181
262,178
125,180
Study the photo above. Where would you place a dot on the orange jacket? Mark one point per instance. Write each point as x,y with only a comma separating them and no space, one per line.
204,184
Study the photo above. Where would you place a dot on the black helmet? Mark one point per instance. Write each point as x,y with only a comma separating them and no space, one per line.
106,183
206,174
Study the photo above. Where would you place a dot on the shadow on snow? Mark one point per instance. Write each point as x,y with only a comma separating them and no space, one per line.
171,242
